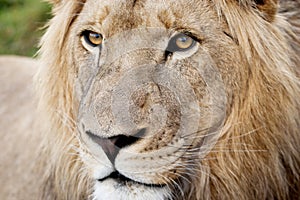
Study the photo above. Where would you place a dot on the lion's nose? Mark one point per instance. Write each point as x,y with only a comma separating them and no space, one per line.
111,146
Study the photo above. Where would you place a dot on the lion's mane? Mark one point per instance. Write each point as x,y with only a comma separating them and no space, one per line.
258,154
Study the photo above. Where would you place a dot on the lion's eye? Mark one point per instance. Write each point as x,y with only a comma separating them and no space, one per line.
92,38
180,42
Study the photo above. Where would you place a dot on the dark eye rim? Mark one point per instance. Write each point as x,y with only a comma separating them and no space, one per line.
85,35
172,46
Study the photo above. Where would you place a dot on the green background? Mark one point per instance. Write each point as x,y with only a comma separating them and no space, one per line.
21,25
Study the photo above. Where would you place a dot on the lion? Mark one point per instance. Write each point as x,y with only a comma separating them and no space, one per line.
150,99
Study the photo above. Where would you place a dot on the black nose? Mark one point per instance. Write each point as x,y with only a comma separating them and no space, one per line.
111,146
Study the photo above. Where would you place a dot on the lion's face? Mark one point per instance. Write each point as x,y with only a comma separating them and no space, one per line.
150,84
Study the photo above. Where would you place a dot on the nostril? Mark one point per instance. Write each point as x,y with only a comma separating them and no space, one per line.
111,146
124,140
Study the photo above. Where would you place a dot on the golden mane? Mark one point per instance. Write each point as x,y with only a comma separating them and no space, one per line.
256,122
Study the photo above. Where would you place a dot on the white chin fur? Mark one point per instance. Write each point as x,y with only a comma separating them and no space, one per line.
110,189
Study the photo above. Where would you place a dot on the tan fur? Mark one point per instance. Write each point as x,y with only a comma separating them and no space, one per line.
257,155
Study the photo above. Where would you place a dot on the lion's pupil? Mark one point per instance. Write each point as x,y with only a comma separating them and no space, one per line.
95,38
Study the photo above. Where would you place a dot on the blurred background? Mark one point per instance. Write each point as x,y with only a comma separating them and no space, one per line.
21,23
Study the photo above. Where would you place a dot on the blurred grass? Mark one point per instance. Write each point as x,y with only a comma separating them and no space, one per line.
20,25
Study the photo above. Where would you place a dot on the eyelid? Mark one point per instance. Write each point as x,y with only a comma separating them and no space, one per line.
89,27
193,35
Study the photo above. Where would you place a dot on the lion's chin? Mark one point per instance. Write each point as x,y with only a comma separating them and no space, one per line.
116,189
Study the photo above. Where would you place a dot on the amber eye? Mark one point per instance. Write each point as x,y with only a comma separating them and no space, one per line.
184,42
92,38
180,42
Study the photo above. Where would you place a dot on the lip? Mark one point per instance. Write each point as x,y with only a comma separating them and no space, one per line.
123,180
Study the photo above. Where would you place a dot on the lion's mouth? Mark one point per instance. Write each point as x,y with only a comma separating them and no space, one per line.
123,180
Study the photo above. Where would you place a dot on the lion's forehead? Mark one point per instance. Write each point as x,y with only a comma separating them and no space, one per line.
114,16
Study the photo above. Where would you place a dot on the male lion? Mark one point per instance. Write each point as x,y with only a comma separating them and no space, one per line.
151,99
